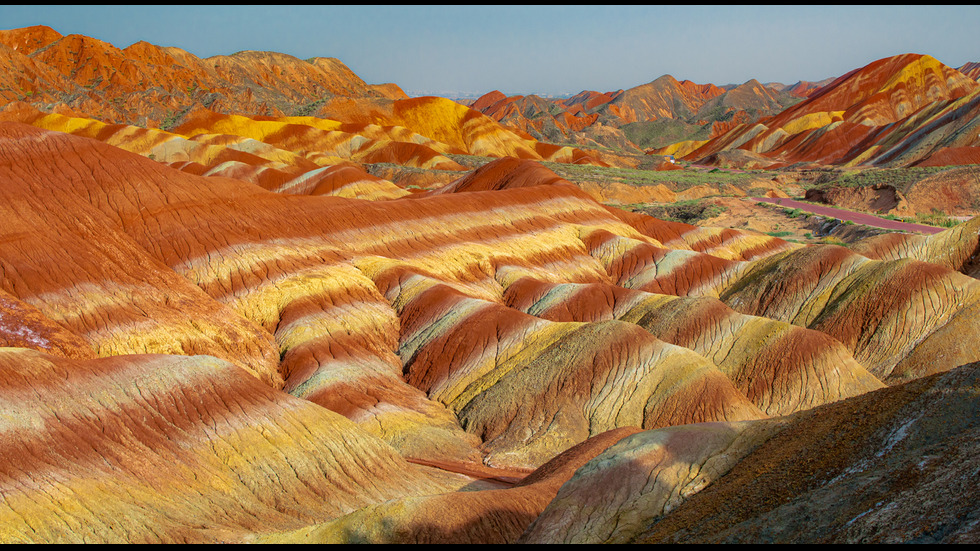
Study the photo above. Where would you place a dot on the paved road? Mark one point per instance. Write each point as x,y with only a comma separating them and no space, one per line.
856,217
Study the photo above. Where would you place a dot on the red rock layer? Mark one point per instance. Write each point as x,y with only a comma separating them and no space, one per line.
971,70
506,173
855,300
154,448
781,368
879,459
895,111
24,326
488,516
399,315
145,81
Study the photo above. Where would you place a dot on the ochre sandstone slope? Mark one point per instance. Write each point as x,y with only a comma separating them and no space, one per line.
495,324
895,111
489,516
866,469
236,156
893,466
800,368
146,83
160,448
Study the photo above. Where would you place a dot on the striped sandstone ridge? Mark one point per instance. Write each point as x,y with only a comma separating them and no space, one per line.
325,141
803,286
155,448
271,164
865,469
956,248
614,497
971,69
780,367
129,301
463,128
87,275
146,84
896,111
489,516
293,290
531,388
893,315
398,314
893,466
234,156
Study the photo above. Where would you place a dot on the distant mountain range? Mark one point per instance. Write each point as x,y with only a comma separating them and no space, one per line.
752,124
831,122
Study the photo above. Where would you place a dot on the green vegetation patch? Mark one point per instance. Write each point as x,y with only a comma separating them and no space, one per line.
689,212
899,178
676,180
664,132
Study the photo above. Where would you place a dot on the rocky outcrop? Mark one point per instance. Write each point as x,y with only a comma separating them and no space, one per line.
897,111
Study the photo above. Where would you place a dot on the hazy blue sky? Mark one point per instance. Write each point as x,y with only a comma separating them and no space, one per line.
543,49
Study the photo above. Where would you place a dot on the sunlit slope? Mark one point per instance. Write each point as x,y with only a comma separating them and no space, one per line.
84,272
780,367
889,313
148,84
299,289
865,470
453,124
323,140
233,156
532,388
499,323
154,448
498,515
896,111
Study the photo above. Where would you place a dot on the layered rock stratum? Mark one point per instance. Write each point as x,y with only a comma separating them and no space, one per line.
230,330
905,110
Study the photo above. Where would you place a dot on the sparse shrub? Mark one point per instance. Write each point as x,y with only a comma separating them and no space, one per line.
689,212
830,240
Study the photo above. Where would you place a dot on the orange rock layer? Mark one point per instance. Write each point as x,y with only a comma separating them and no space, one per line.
499,322
897,111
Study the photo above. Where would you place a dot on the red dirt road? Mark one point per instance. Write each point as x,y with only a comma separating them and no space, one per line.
856,217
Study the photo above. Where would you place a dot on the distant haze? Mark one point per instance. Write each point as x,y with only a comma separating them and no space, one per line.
470,50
